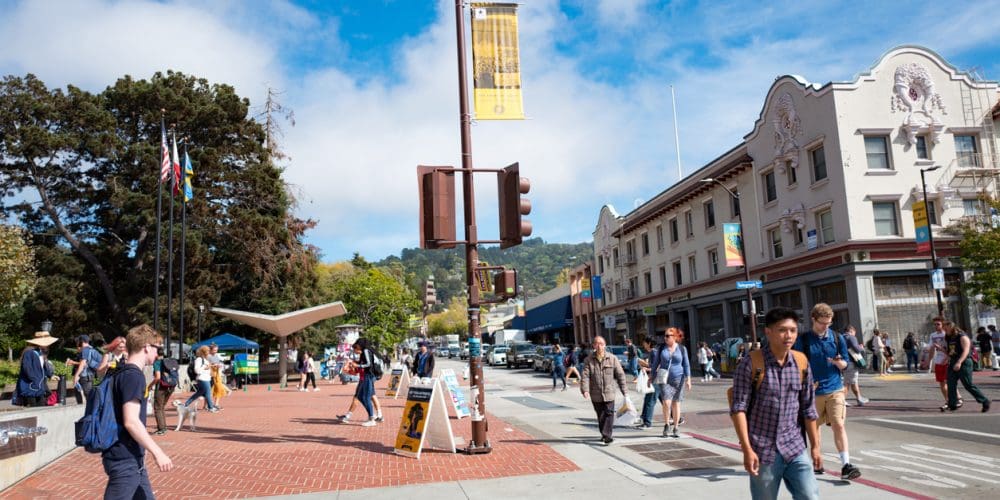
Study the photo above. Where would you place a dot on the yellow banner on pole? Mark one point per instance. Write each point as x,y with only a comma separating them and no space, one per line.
496,62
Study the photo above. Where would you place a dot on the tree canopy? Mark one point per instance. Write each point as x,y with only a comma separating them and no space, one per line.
980,246
17,282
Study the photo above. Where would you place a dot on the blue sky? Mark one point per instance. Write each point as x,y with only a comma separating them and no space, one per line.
373,87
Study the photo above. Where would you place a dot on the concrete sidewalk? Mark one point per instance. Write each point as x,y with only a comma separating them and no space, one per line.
639,463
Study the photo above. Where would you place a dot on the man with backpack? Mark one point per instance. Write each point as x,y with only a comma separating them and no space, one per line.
124,461
773,417
163,384
828,357
87,362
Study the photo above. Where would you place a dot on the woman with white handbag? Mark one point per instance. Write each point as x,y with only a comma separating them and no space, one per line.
672,369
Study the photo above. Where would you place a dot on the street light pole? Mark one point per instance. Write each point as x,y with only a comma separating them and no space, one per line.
201,310
930,236
751,306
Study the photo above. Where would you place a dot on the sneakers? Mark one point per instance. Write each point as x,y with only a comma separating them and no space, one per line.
214,410
369,423
160,432
315,389
344,418
863,401
849,472
986,406
607,441
378,418
303,389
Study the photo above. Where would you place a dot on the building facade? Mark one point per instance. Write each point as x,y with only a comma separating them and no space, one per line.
825,184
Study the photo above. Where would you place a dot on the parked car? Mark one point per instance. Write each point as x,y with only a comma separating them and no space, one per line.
543,359
619,352
442,352
520,354
463,353
497,356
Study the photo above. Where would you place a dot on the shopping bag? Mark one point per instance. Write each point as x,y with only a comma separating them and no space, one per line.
642,385
625,413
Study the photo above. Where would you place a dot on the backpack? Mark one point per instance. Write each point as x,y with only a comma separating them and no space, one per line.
93,358
192,375
377,368
757,373
908,344
97,430
168,373
869,345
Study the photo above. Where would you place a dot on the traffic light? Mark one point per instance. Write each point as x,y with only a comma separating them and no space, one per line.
510,187
437,206
505,283
430,294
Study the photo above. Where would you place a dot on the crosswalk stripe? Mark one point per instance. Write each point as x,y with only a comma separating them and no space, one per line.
936,427
888,455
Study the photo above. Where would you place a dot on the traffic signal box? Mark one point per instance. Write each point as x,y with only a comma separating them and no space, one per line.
437,206
510,187
505,283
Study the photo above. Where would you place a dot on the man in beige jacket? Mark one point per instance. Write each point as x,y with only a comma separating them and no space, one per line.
602,376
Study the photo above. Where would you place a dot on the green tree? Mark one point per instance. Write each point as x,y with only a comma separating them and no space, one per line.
379,303
451,321
980,246
17,282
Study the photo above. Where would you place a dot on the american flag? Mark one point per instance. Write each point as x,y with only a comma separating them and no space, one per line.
164,156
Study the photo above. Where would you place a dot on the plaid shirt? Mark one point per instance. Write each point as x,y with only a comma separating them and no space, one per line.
773,422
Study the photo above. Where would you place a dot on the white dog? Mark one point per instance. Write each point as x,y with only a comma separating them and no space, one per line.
186,412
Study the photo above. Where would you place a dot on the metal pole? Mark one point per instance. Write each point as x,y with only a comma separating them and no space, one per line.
480,442
751,306
677,136
930,238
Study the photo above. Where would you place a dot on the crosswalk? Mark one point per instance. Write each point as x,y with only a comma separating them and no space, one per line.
931,466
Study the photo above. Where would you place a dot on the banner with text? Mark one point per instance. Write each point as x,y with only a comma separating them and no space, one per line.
496,62
733,240
922,226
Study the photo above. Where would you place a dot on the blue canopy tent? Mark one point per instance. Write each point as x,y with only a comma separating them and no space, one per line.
229,342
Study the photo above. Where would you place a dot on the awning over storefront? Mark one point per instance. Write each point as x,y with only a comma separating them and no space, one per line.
555,315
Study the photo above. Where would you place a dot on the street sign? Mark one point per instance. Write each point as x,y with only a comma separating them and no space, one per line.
745,285
937,279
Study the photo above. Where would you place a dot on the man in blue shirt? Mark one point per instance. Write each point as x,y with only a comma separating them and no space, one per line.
828,356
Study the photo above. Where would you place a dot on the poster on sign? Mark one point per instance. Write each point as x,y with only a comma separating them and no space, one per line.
449,383
425,421
399,381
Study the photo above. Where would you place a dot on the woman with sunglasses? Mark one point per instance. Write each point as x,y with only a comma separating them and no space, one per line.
672,372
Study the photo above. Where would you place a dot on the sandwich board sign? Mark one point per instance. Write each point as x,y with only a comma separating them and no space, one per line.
399,381
425,420
450,386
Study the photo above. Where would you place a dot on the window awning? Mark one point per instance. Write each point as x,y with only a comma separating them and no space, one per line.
555,315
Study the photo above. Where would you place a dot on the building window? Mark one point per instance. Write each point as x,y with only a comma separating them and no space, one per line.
600,265
735,204
633,287
922,148
688,224
713,262
629,251
692,269
659,237
709,214
886,222
797,235
648,280
966,151
673,231
877,152
971,207
793,177
663,277
818,156
824,223
774,236
770,189
645,244
677,274
614,253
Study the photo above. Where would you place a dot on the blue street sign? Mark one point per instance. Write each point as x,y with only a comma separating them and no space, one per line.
744,285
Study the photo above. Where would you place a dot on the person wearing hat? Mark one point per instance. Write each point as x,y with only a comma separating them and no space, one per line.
32,387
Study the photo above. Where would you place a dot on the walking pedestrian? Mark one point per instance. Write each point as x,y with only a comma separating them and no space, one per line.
160,394
878,352
310,372
572,360
423,364
631,356
672,369
939,348
203,380
365,391
773,428
960,363
705,359
827,354
649,399
910,348
601,378
87,362
558,367
853,371
124,462
985,341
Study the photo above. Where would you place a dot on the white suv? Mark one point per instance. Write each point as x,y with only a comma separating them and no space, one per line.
497,356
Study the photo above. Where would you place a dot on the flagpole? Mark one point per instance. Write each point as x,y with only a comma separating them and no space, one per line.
170,261
180,334
159,216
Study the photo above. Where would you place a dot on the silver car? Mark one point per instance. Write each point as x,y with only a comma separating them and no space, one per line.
497,356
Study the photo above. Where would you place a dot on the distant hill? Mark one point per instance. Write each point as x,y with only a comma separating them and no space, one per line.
538,265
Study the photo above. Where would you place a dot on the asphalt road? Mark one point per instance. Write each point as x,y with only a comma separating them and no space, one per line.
900,438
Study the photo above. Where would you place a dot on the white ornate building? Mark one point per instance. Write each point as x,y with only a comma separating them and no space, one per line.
827,178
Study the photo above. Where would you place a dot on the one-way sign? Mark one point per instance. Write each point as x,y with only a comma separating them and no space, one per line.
743,285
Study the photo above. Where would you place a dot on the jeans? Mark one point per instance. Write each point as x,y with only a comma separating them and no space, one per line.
364,393
310,376
965,376
649,405
558,373
633,367
204,388
911,360
127,478
605,417
797,474
86,385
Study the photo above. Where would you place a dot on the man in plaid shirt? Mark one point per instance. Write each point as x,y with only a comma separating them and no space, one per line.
772,430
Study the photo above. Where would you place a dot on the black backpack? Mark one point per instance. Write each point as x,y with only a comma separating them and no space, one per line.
192,375
377,368
168,373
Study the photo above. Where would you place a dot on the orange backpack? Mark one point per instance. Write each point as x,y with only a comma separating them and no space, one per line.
757,372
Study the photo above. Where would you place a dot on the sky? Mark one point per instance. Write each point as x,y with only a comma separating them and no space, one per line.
374,90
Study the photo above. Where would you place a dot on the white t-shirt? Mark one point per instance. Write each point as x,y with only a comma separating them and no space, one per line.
702,356
937,339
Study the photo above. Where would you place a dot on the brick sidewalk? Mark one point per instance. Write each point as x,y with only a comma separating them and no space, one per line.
287,442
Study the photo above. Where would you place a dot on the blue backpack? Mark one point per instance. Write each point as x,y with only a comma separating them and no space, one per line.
93,358
97,430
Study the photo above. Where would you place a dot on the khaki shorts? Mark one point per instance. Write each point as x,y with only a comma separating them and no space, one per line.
831,408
